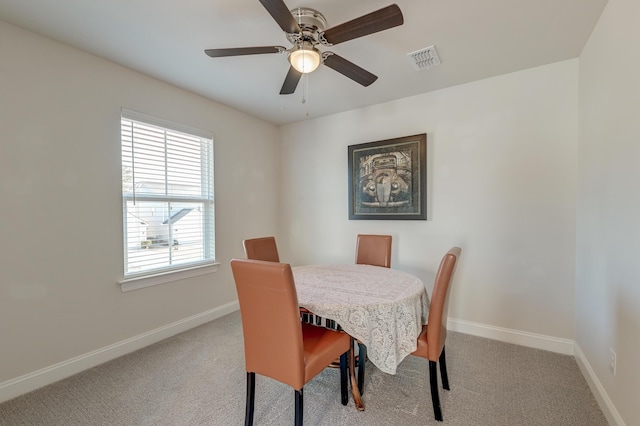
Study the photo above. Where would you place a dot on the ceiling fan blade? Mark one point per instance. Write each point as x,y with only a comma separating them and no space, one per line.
290,81
280,12
383,19
238,51
349,69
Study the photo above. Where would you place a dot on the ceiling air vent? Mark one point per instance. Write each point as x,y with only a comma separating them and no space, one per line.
424,59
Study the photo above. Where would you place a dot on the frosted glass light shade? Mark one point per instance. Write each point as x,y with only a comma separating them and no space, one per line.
305,59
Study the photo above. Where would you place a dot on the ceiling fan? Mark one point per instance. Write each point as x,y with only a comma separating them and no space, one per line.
305,29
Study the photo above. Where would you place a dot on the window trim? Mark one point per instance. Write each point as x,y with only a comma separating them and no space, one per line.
161,122
164,277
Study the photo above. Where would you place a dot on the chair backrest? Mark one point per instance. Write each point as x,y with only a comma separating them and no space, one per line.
273,348
373,250
261,249
439,308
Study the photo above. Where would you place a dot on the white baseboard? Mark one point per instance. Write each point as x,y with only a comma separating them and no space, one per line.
605,403
37,379
517,337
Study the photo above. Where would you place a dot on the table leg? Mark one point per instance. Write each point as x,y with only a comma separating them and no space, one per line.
355,390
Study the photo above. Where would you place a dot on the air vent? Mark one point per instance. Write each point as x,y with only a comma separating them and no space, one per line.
424,59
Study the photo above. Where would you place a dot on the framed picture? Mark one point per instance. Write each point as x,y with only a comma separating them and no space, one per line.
388,179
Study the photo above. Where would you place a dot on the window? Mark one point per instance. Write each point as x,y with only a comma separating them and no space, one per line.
167,196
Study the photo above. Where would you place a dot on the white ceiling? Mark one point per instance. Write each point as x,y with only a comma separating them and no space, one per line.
475,39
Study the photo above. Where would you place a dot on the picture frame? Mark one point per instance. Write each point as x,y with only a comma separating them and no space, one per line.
388,179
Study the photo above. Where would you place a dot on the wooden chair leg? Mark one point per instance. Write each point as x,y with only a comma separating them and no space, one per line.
299,407
362,358
443,370
251,398
435,398
344,378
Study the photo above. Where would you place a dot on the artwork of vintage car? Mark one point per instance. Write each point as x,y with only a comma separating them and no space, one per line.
386,180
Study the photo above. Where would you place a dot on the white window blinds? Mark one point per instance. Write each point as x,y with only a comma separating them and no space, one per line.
167,195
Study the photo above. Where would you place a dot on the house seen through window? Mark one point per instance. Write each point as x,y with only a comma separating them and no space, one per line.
167,195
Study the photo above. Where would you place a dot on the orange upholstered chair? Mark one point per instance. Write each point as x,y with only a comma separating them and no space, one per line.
432,338
261,249
265,248
370,250
283,348
373,250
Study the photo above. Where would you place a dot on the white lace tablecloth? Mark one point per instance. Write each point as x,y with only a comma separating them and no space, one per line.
383,308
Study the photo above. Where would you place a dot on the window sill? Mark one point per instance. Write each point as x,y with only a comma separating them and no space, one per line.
130,284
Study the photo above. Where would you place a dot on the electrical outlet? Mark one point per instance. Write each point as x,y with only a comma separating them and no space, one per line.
612,361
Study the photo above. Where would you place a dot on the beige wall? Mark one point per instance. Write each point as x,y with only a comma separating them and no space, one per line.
61,211
501,184
608,226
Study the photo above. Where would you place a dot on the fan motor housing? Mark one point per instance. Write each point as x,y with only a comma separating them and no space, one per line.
310,22
309,19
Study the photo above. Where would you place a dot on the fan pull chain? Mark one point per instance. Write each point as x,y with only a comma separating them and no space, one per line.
305,85
305,92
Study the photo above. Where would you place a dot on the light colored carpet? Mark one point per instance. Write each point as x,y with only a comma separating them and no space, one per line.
198,378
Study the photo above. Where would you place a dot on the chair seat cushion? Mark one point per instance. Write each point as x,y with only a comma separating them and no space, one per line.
422,349
321,347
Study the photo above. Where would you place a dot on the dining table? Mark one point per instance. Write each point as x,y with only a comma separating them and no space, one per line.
382,308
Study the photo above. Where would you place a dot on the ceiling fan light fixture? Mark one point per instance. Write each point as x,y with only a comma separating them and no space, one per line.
304,58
